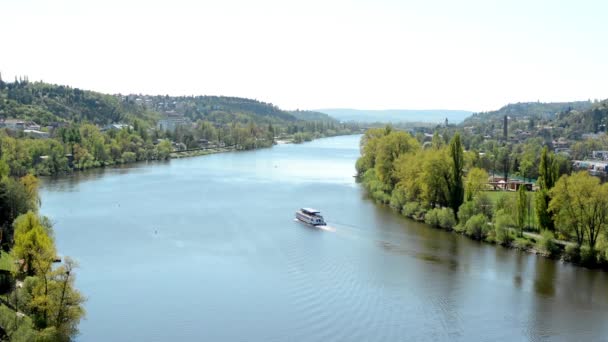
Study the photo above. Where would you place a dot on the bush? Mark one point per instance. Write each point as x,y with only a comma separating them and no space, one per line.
522,243
398,198
572,253
432,217
483,205
546,244
602,251
502,228
477,227
466,211
129,157
411,209
446,218
588,256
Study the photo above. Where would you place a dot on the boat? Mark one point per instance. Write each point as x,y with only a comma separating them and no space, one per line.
310,216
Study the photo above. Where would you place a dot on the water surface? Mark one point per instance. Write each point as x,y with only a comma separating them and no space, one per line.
206,249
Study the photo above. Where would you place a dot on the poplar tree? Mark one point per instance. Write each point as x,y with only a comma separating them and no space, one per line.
456,186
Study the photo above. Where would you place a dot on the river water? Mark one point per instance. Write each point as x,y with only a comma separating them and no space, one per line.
206,249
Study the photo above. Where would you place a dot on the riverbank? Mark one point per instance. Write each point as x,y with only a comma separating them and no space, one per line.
496,232
429,184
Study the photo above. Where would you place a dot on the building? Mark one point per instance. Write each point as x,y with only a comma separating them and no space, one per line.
171,122
16,124
115,126
603,155
36,133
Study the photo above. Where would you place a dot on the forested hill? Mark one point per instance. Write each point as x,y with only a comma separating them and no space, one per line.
213,108
46,103
308,115
528,110
397,115
569,120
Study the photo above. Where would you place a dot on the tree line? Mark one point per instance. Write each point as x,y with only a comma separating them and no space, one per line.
444,185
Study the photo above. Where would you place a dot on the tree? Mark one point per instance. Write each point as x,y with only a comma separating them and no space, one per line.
580,205
546,179
476,181
522,203
389,148
33,245
456,187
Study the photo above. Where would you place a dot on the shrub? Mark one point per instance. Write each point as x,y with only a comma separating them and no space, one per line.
502,228
432,217
446,218
477,227
129,157
588,256
546,244
483,205
602,251
466,211
522,243
398,198
572,253
411,209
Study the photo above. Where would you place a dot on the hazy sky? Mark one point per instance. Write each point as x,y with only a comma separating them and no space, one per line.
465,54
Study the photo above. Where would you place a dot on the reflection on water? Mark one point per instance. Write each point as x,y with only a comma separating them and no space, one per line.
207,248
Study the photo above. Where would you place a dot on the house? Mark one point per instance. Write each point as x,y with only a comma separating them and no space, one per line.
16,124
603,155
36,133
500,183
116,126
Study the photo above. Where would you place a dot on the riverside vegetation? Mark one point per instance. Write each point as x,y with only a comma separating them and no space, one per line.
74,120
38,299
445,186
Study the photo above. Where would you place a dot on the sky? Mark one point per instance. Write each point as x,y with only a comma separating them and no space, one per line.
473,55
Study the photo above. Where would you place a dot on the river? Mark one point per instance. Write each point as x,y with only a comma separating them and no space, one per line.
206,249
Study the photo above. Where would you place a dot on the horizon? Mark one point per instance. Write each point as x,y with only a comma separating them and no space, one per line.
345,54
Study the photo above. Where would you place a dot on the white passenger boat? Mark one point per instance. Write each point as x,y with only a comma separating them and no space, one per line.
310,216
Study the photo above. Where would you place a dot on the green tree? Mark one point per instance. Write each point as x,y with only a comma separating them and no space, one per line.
456,187
546,179
580,205
476,181
522,204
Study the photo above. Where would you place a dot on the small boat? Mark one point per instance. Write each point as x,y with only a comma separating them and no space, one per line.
310,216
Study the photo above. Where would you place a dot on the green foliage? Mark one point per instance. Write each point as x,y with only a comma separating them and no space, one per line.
522,243
440,217
466,211
522,204
432,217
580,205
18,329
546,244
588,256
503,221
412,210
447,219
456,186
398,198
476,181
572,253
477,227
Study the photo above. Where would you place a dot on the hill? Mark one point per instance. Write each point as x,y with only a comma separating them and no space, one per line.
46,103
397,115
529,110
308,115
